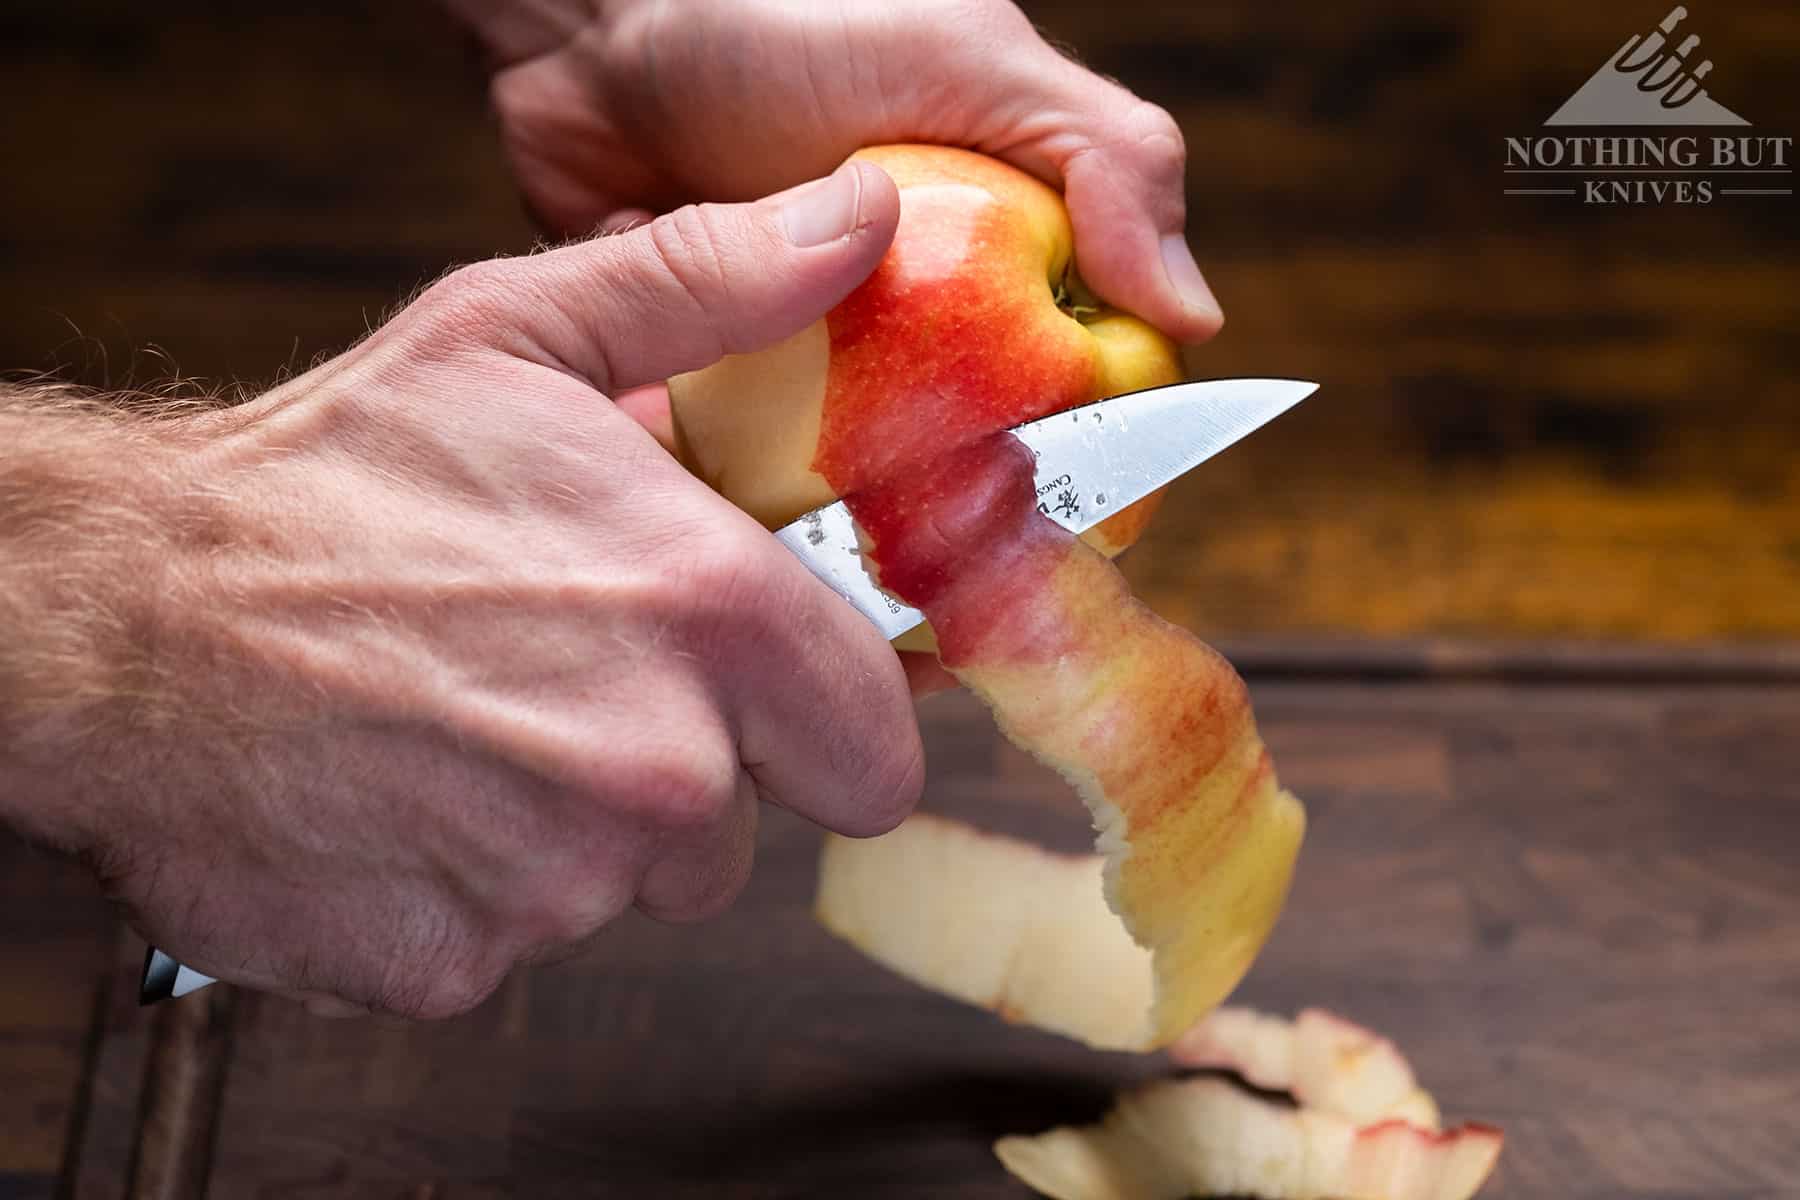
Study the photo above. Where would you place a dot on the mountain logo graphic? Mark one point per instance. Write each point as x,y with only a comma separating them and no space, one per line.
1648,82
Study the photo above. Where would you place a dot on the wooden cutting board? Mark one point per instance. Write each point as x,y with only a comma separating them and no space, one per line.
1576,905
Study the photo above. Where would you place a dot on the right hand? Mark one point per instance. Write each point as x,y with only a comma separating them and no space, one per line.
453,663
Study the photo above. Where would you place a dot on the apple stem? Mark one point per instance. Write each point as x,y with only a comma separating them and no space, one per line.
1071,302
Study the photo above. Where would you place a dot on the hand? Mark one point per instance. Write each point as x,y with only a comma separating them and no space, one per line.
611,109
446,663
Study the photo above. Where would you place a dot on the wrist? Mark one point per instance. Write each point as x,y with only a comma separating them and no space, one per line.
86,531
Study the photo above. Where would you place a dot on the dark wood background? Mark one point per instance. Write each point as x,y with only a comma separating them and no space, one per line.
1539,420
1573,906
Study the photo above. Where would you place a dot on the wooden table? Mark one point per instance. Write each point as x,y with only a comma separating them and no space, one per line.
1568,886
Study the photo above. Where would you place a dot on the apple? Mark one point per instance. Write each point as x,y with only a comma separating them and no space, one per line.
897,401
975,321
1205,1136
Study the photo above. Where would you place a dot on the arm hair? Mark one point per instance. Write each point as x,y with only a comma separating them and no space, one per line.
84,545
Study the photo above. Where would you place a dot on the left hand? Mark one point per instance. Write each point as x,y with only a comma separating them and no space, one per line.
613,110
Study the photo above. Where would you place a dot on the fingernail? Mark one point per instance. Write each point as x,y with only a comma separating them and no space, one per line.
1184,275
825,210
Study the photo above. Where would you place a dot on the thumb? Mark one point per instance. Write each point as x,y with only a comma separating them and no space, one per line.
702,282
1123,168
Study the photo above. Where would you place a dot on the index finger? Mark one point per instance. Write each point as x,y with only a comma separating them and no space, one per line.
825,717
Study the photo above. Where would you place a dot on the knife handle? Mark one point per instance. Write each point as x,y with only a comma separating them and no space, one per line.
166,979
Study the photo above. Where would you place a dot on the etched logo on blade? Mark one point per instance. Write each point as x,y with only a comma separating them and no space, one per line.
1655,78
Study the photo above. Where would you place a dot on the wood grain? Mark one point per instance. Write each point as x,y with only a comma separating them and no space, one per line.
103,1157
56,933
1572,906
1538,418
190,1053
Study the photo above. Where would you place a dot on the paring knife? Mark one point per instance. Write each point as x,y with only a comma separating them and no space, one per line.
1091,462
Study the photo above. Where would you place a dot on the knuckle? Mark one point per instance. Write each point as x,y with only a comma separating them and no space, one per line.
566,893
1153,132
1140,143
707,887
447,971
453,995
632,45
951,21
473,287
470,301
690,787
727,588
690,243
448,993
116,866
717,896
730,884
568,916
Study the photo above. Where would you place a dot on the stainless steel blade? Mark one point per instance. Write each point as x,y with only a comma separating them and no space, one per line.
1091,462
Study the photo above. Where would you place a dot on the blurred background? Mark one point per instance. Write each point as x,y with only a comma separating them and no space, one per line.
1540,419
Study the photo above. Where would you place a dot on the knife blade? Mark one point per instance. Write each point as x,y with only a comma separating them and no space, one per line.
1092,461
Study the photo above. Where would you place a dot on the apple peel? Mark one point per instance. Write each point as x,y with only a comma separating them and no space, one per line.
1150,725
1360,1128
973,322
1206,1136
1322,1060
994,922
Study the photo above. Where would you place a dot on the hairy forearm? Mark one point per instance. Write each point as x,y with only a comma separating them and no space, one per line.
85,545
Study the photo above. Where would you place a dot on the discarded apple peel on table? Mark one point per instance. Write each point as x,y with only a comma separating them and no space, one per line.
972,323
1359,1127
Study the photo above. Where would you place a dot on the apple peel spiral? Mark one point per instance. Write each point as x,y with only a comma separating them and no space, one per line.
1359,1126
972,323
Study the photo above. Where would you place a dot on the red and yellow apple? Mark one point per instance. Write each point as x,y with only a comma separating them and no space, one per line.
896,401
975,321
